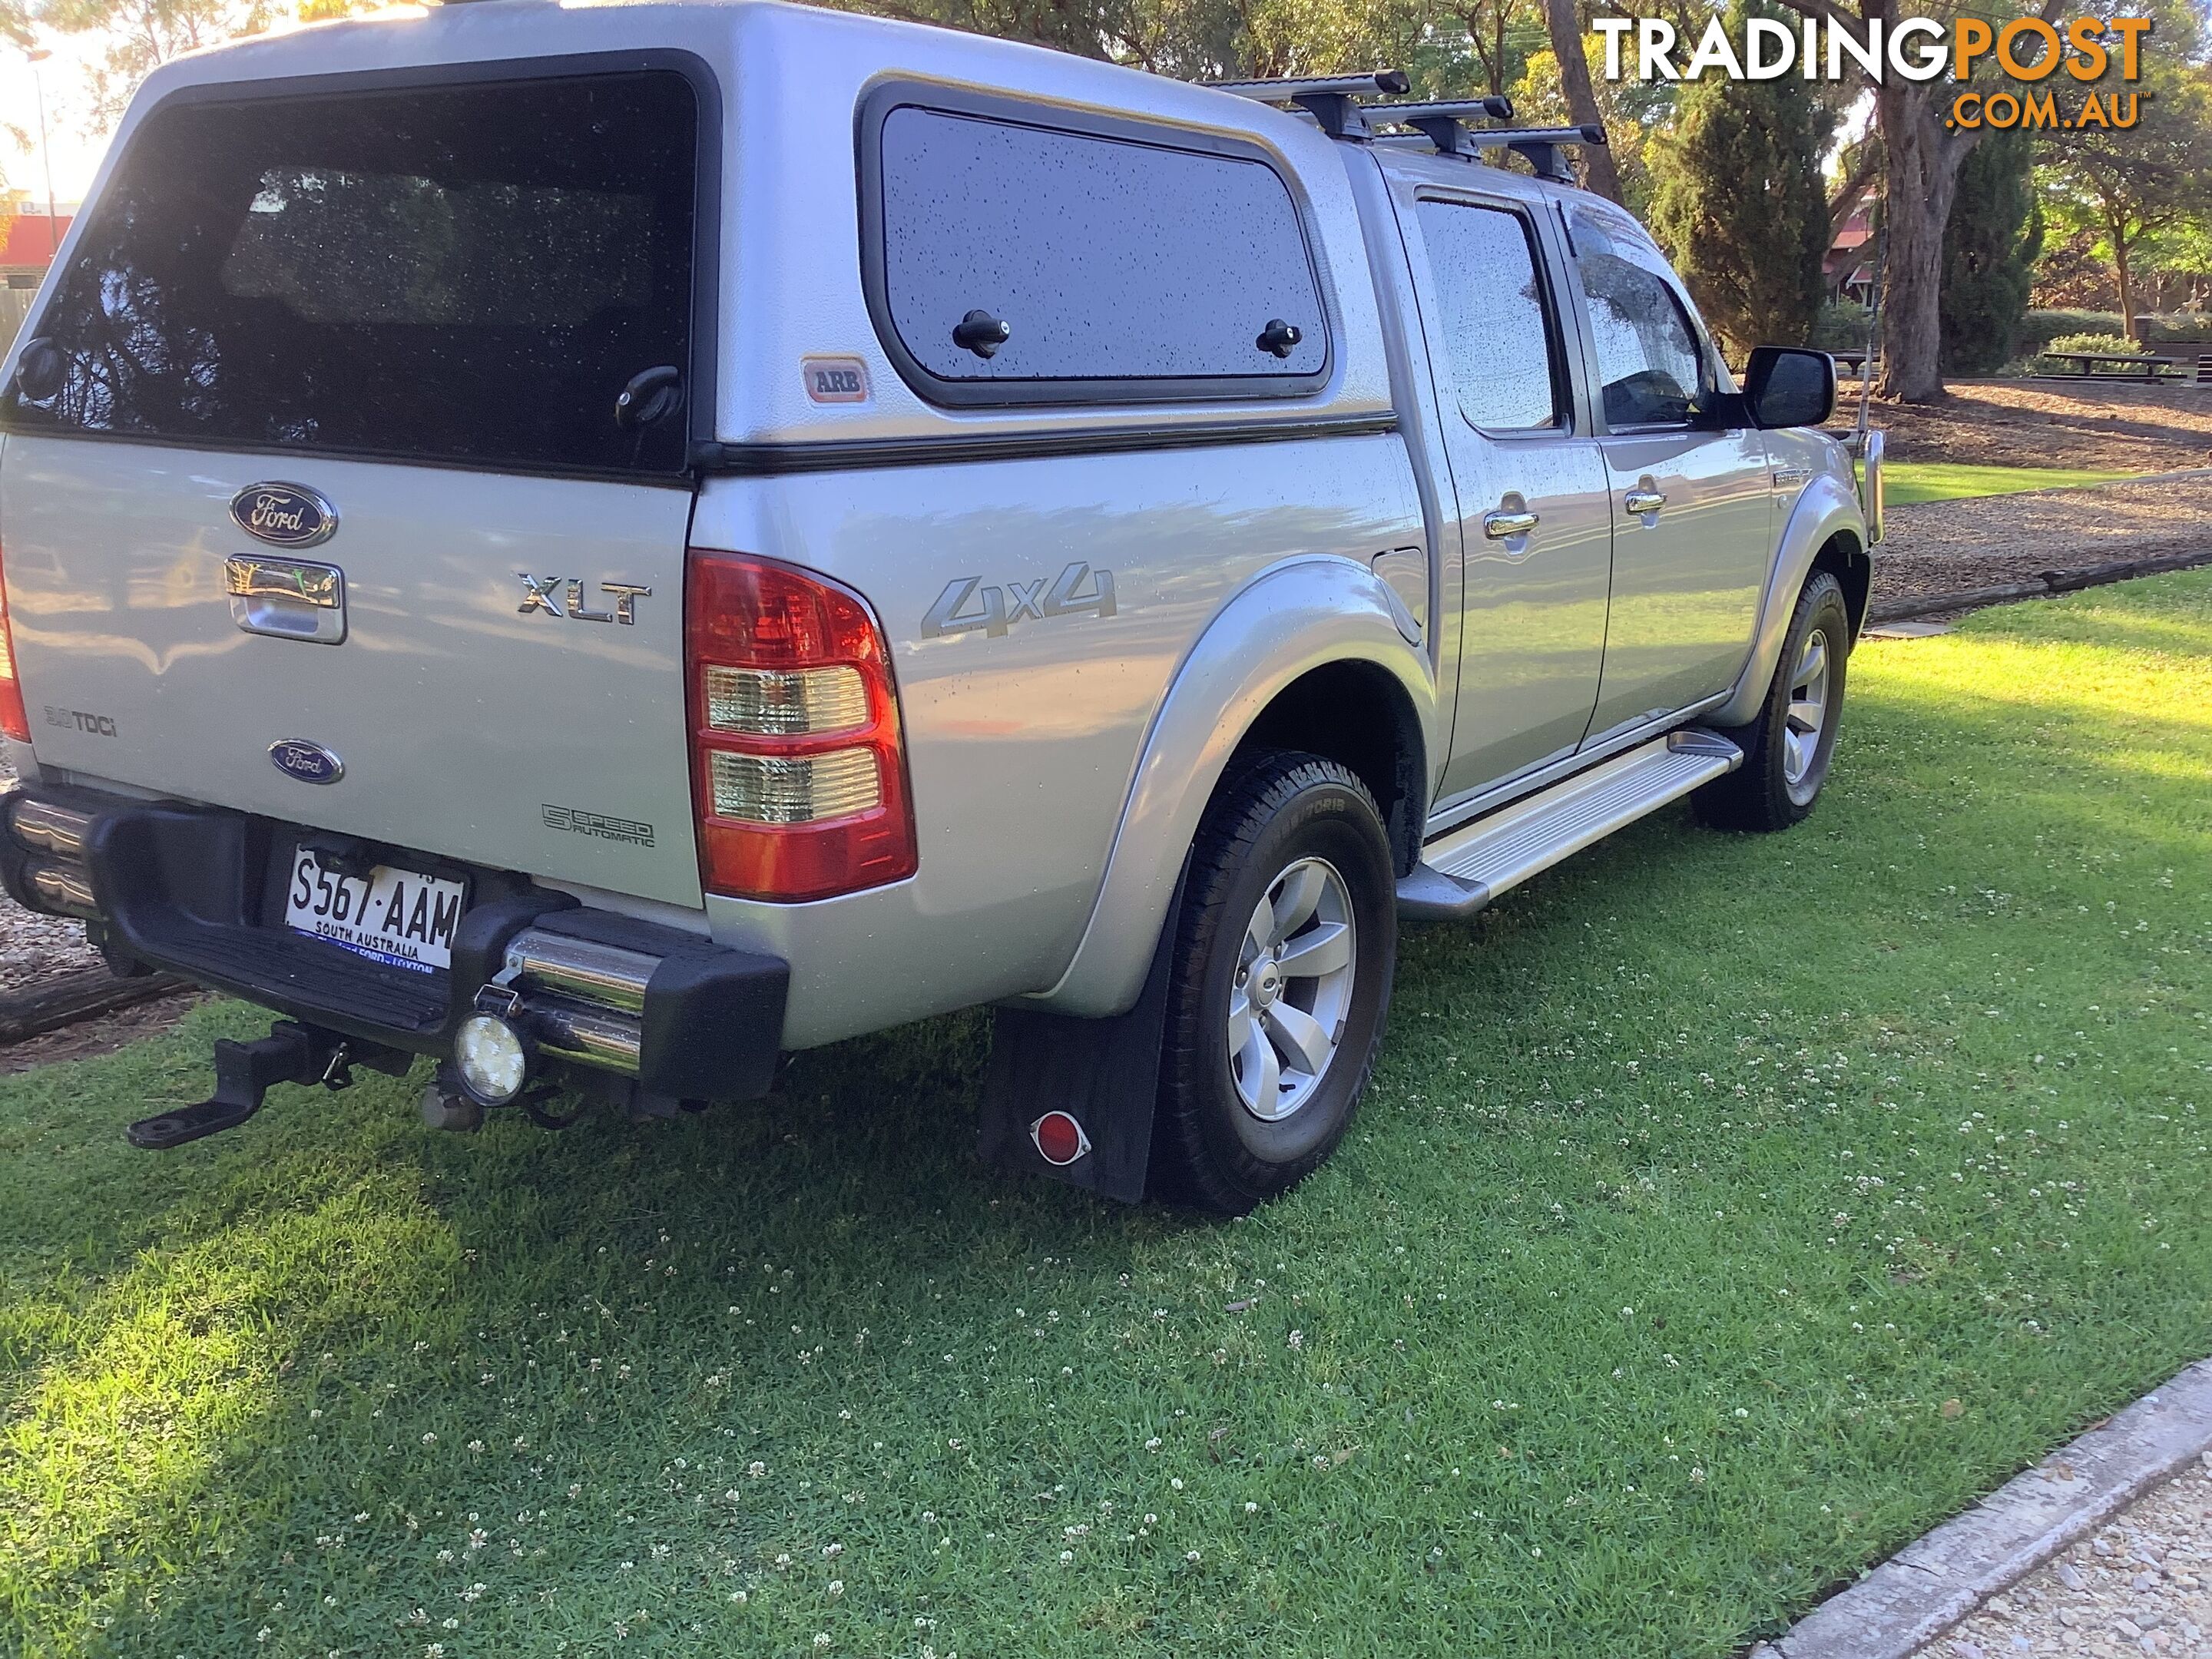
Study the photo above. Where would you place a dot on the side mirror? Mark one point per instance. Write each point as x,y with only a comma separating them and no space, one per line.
1788,386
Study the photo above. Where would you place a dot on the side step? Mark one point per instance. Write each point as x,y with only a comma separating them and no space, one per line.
1464,871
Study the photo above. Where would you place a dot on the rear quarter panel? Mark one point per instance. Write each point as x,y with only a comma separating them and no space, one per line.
1024,746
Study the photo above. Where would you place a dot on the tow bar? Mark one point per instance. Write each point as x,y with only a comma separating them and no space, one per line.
245,1070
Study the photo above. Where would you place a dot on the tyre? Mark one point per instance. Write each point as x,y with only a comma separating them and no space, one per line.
1279,978
1786,748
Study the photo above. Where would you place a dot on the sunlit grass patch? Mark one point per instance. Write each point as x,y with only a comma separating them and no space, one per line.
1907,482
1725,1211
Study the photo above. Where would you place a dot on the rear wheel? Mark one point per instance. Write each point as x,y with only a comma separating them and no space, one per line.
1786,748
1280,977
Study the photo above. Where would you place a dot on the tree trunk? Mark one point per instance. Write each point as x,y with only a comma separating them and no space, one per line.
1566,31
2119,232
1923,175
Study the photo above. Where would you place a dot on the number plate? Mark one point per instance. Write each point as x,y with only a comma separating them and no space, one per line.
391,916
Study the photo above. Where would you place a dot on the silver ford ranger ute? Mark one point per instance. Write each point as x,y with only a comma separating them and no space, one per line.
606,544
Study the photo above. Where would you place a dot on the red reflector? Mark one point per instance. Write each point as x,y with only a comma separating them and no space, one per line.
1060,1138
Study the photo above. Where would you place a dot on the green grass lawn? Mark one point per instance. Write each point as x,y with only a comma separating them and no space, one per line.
1725,1212
1906,481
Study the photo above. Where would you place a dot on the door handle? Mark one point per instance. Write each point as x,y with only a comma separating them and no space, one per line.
1640,502
1500,523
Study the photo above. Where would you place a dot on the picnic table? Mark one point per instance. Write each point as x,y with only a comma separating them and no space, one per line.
2135,366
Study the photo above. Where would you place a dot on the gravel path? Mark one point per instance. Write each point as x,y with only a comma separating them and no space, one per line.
2137,1587
2107,424
1944,547
35,948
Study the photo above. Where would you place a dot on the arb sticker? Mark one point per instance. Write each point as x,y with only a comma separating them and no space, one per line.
836,380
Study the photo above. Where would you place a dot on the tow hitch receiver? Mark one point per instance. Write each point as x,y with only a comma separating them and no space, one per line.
244,1071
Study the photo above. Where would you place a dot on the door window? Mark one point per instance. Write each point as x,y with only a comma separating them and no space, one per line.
467,273
1652,366
1493,315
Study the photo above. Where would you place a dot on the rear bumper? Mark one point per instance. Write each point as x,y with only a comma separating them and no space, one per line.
198,891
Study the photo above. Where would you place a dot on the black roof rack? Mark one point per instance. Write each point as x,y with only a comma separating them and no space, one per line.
1540,146
1441,123
1332,100
1327,97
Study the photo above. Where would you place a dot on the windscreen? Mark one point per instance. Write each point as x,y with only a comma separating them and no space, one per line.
461,273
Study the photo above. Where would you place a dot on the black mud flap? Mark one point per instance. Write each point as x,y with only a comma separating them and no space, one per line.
1104,1074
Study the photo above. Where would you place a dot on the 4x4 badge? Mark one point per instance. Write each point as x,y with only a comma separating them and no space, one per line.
996,610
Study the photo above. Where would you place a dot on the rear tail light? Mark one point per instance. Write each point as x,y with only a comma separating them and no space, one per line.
13,719
799,773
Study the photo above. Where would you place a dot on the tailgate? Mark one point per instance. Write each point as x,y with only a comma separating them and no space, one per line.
463,724
346,472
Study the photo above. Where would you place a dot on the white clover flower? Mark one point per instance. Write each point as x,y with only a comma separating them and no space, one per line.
1152,1445
1251,1509
1177,1483
836,1587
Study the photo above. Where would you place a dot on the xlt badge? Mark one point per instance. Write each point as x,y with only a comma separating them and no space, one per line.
542,596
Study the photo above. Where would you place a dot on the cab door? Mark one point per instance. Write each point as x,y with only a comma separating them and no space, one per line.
1531,487
1689,499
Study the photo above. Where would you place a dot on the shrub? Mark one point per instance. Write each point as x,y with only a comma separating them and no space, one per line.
2038,328
1841,325
2178,328
2116,343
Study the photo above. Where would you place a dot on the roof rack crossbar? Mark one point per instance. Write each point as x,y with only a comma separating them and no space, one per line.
1442,123
1329,99
1540,146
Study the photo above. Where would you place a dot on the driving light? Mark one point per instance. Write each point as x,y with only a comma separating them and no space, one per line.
492,1058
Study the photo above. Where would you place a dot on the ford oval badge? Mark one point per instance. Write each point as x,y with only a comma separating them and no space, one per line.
288,515
310,763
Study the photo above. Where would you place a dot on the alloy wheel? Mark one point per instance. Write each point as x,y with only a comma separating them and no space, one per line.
1293,988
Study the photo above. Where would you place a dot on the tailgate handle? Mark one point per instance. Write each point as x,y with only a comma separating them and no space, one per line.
287,598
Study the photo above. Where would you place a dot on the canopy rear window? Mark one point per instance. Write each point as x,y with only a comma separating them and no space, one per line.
455,273
1104,263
